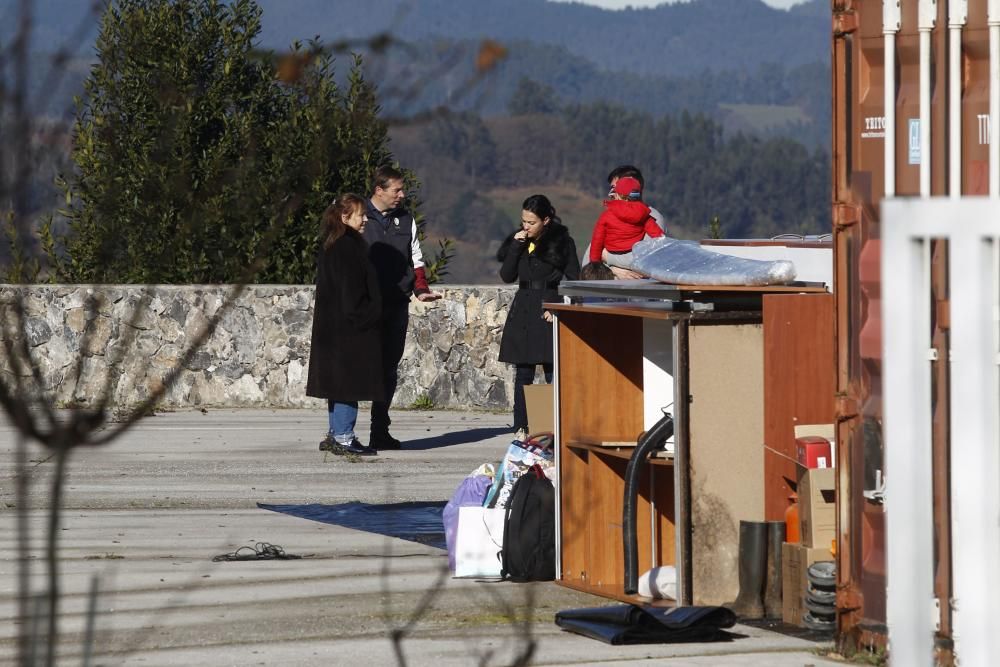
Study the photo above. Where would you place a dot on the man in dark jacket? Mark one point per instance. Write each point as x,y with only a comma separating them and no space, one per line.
394,249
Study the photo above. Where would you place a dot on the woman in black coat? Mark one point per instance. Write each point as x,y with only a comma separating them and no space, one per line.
345,361
538,256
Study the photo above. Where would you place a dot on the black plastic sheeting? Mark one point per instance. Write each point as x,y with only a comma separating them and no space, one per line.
631,624
413,521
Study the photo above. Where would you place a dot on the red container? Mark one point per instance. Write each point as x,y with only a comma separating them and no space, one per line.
813,451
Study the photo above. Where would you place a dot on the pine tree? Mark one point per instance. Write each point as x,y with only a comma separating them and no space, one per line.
196,155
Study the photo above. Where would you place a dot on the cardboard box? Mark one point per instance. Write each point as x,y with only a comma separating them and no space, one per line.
813,451
817,507
795,559
539,402
823,431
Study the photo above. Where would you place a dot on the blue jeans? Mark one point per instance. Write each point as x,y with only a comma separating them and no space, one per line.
343,417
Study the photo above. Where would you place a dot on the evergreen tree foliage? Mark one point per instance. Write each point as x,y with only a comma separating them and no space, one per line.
197,157
532,97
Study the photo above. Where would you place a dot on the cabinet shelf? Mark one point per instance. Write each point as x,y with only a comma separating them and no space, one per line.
606,448
614,592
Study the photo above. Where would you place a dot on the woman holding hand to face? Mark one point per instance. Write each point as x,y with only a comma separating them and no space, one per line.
538,256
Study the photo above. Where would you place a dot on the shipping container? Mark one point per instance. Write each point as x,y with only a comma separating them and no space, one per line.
912,117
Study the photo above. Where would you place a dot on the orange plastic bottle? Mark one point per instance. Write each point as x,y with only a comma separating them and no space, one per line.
792,520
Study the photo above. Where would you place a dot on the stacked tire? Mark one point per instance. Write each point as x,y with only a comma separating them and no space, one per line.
821,596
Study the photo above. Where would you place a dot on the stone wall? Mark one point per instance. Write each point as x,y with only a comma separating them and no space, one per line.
258,355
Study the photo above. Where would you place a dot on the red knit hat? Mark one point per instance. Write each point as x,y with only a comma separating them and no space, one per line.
628,188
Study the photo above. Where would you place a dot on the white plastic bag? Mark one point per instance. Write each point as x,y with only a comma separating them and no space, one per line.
659,583
479,542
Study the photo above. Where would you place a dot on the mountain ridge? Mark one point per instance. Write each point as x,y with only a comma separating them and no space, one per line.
671,39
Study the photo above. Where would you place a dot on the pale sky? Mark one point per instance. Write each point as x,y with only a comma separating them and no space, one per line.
621,4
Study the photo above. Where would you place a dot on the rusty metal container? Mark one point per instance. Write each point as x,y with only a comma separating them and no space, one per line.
859,185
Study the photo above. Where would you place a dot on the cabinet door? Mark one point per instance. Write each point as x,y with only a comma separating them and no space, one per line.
799,384
726,378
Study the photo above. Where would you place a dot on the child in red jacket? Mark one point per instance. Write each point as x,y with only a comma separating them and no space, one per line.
624,222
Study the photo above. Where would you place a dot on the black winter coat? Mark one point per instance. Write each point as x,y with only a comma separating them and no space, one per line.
345,362
527,337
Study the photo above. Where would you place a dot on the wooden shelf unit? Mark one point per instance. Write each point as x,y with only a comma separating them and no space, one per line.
600,387
617,364
592,544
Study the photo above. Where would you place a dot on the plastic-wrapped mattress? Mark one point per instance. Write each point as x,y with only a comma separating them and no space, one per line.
688,263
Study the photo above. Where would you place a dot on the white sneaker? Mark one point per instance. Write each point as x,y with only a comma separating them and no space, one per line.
521,435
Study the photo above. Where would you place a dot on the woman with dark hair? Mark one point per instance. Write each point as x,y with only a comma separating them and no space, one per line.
539,255
345,360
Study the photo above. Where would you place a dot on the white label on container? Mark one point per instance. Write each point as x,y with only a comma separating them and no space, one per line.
914,141
874,128
820,461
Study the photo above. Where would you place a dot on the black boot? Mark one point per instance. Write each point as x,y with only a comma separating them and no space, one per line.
381,440
772,589
753,561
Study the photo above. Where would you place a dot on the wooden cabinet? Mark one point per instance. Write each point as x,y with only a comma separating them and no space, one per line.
611,365
600,401
617,365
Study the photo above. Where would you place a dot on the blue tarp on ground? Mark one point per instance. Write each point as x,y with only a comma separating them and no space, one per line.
414,521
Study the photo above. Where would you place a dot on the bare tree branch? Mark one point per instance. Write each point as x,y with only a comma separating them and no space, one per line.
52,553
252,269
29,401
25,612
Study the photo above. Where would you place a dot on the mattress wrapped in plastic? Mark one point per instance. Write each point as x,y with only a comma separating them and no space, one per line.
688,263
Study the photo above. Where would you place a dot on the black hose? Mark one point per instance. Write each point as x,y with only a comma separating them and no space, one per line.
652,440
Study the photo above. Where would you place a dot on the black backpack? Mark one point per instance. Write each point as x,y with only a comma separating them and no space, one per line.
529,533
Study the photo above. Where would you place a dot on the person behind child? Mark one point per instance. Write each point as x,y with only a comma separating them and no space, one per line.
345,358
622,171
539,255
596,271
624,222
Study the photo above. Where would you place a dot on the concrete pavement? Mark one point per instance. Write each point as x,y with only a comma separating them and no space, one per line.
147,514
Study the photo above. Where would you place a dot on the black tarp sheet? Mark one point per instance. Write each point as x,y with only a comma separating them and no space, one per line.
631,624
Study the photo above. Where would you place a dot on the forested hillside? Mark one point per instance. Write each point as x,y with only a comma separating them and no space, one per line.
724,104
477,170
770,99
